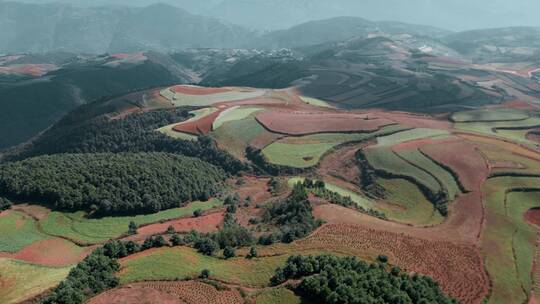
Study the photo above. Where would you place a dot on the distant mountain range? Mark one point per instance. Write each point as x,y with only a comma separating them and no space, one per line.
455,15
61,27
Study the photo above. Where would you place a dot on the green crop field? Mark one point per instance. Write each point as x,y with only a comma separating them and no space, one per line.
235,136
409,135
358,199
306,151
316,102
18,230
232,114
296,156
182,100
411,206
278,295
383,158
21,281
76,227
442,175
183,262
509,241
490,115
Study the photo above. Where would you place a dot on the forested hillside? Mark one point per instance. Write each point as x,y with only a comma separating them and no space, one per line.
110,183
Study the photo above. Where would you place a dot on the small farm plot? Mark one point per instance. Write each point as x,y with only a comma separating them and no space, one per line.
204,100
76,227
197,114
21,281
508,241
171,263
18,230
490,115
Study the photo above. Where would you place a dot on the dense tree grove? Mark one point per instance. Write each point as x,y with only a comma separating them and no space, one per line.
346,280
293,216
5,204
111,183
77,133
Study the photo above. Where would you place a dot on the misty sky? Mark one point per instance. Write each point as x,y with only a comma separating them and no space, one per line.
449,14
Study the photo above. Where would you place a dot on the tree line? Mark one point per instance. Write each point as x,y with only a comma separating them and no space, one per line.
107,184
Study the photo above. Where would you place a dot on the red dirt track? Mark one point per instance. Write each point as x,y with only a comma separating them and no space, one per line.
303,123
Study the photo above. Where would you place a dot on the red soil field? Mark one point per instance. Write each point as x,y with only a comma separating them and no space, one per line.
188,292
204,224
51,252
201,126
458,268
302,123
533,136
192,90
532,216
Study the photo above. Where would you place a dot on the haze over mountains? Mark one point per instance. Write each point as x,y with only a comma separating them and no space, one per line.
454,15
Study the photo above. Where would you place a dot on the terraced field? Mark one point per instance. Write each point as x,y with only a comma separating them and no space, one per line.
405,203
307,151
76,227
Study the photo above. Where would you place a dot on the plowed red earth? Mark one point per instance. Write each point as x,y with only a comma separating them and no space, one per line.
302,123
184,292
532,216
201,126
189,90
51,252
35,70
204,224
457,268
